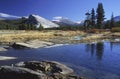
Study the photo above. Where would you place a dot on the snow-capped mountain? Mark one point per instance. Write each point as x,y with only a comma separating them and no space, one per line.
4,16
37,20
64,21
117,18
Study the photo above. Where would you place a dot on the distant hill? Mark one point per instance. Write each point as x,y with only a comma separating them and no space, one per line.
117,18
62,21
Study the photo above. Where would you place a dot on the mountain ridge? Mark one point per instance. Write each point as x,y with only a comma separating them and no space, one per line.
117,18
63,21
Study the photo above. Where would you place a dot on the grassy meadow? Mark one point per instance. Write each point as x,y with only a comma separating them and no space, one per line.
8,36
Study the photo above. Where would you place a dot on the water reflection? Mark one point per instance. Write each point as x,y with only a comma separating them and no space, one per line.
111,45
96,49
99,50
114,45
88,47
92,49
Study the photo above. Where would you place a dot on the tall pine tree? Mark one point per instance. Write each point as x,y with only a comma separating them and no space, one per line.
93,17
100,16
112,22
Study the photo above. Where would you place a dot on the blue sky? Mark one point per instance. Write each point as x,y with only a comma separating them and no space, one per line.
73,9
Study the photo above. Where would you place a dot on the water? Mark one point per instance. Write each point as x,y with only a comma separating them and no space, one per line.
93,61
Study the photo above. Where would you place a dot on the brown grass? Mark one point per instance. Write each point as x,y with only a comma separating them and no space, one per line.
56,36
15,36
116,29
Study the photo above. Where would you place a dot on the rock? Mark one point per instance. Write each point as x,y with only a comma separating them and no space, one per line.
43,66
8,72
64,68
47,66
37,70
7,47
3,49
7,58
59,76
20,64
31,44
73,77
82,78
19,45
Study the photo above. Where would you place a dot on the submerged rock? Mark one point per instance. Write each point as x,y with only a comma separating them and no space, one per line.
37,70
7,58
2,49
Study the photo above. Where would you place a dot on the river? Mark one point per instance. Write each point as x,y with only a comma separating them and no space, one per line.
93,61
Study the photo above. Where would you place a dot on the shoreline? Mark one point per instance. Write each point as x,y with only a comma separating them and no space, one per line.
54,36
37,43
60,41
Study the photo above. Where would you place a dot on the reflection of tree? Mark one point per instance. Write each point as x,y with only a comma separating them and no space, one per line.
92,49
88,47
111,45
99,50
114,44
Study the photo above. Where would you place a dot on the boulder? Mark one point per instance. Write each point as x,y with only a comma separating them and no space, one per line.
8,72
37,70
47,66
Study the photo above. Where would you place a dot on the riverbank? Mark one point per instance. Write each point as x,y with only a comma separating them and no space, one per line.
54,36
47,35
51,38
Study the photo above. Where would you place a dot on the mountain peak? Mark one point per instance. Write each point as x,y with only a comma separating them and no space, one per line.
37,20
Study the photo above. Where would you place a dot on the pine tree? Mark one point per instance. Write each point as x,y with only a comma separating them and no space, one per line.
87,22
100,16
32,27
107,24
93,17
40,27
112,22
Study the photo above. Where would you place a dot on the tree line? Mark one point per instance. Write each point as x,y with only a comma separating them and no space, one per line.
97,19
19,24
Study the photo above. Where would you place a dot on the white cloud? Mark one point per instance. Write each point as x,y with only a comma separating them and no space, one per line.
57,17
78,22
7,15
